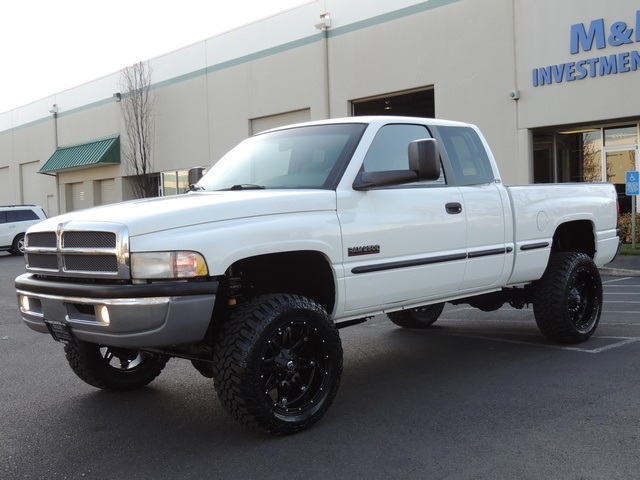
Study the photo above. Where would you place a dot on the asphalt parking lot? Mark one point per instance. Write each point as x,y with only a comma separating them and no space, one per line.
478,395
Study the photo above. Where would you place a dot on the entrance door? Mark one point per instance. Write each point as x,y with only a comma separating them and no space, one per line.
620,147
617,164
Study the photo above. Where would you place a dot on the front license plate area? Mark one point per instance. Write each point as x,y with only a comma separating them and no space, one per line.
59,331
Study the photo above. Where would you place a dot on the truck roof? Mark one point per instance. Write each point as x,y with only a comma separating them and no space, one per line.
373,119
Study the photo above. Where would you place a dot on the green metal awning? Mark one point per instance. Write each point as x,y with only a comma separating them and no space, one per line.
95,154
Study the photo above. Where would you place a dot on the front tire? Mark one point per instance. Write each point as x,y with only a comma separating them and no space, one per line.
568,298
278,363
111,368
421,317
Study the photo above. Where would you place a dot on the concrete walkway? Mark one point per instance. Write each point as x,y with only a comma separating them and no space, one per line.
623,266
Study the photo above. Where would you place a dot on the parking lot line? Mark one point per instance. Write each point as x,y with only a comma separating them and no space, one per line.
622,341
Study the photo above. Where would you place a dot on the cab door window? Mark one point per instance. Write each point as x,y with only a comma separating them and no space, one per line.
390,147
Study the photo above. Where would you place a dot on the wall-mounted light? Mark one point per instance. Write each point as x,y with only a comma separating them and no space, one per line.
54,108
325,23
117,96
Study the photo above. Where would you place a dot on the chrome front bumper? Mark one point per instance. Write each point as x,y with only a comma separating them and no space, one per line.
149,315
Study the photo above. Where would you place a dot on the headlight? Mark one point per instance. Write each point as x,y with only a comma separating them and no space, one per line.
167,265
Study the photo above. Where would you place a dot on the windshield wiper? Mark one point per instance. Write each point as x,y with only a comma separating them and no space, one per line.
247,186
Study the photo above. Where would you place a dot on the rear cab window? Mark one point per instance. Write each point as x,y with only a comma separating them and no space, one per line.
467,154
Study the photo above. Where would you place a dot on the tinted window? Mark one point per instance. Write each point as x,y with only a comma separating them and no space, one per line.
3,217
390,149
468,156
303,157
21,215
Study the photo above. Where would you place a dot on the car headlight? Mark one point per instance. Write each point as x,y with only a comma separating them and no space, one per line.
167,265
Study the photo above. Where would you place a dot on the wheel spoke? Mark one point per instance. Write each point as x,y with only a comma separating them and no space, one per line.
301,343
108,355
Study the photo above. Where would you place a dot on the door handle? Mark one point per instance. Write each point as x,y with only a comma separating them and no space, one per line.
453,208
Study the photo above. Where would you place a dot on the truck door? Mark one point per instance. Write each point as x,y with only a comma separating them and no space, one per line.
402,244
483,206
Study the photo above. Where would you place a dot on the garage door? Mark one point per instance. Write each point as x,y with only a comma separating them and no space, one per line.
5,189
31,183
108,191
265,123
78,197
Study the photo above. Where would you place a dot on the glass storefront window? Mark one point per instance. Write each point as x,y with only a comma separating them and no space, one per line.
589,154
543,158
567,156
620,136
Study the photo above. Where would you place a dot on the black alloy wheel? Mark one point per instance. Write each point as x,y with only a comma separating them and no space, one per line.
278,363
568,298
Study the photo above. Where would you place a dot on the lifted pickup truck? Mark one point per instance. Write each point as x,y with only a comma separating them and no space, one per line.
300,231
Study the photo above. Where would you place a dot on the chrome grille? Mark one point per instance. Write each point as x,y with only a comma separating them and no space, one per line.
79,249
89,240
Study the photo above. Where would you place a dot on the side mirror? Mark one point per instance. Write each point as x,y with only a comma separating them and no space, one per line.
424,158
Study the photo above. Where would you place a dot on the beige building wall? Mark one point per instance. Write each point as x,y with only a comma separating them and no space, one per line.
472,54
289,81
464,50
543,39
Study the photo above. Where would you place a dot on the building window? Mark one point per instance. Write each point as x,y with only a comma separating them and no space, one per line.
572,156
175,182
419,103
591,154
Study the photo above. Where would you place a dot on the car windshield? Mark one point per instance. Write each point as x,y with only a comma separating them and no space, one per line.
302,157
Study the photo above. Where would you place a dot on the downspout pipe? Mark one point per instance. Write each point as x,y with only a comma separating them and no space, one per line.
323,26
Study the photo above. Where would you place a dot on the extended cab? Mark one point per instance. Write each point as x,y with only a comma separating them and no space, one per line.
300,231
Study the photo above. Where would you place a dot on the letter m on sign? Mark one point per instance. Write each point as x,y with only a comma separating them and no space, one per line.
581,38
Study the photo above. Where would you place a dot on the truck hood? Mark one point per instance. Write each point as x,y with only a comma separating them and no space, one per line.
165,213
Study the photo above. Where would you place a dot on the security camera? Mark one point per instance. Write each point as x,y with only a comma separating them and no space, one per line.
325,23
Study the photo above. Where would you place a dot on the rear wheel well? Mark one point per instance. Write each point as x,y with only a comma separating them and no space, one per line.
575,236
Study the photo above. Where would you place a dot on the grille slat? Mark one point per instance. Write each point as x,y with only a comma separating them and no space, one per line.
40,261
42,240
91,263
89,240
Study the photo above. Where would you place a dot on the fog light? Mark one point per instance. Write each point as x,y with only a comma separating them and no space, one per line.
24,303
103,314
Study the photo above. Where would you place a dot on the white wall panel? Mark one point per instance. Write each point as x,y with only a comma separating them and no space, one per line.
265,123
31,183
6,197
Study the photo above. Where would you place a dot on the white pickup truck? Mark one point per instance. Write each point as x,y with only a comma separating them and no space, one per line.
300,231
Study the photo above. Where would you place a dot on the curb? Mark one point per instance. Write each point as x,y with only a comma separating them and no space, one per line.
619,272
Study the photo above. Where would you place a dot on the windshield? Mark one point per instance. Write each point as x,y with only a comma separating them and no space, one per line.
302,157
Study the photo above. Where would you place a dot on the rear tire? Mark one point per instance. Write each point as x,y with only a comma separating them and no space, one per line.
278,363
111,368
17,247
567,300
421,317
